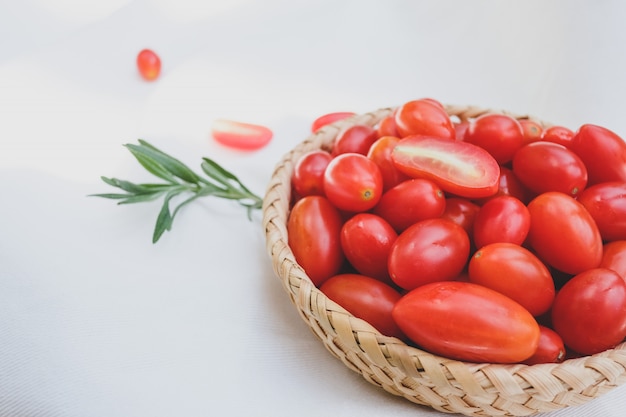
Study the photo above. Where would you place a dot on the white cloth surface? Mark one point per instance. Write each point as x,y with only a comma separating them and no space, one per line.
95,320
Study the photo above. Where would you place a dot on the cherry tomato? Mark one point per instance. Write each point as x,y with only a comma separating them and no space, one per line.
428,251
329,118
313,232
354,139
460,129
380,153
353,182
424,117
614,257
240,135
606,202
510,185
546,166
366,298
469,322
148,64
458,167
308,173
501,219
515,272
550,349
558,134
462,212
531,129
563,233
499,134
589,312
366,241
387,127
602,151
411,201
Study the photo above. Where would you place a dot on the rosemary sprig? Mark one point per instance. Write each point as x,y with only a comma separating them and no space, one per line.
179,180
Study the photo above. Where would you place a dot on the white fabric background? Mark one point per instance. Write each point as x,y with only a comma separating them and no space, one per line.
95,321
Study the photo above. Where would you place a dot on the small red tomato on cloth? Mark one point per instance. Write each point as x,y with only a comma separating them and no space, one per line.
148,64
240,135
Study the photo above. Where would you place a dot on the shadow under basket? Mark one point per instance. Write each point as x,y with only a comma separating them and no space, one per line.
446,385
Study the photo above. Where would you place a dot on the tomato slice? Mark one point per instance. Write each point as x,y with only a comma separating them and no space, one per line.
329,118
240,135
460,168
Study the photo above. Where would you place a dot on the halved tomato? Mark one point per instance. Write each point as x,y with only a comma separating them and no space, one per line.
240,135
458,167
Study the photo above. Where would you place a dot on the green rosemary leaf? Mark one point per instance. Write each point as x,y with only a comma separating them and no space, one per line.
112,196
164,219
152,166
172,165
141,198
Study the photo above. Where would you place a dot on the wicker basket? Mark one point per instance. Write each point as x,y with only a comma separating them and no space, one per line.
446,385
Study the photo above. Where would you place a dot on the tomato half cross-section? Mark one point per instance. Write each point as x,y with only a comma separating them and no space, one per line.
460,168
240,135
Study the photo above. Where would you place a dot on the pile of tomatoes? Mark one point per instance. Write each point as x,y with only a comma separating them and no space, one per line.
493,239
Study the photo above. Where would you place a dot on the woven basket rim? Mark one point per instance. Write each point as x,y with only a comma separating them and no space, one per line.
447,385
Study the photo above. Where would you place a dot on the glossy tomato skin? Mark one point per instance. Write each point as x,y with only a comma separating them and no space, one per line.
546,166
558,134
428,251
532,130
424,117
563,233
366,298
457,167
329,118
509,184
606,202
515,272
468,322
550,349
602,151
353,182
589,312
366,241
501,219
614,257
354,139
308,173
313,232
148,64
462,212
380,153
499,134
387,127
411,201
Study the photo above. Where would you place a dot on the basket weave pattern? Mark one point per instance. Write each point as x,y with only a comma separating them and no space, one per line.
446,385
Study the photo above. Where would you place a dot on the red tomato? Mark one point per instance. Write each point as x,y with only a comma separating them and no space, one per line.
148,64
411,201
499,134
354,139
380,153
606,202
563,233
366,241
460,129
510,185
515,272
387,127
501,219
240,135
353,182
428,251
366,298
614,257
468,322
558,134
308,173
457,167
462,212
329,118
602,151
589,312
531,129
546,166
313,232
424,117
550,350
